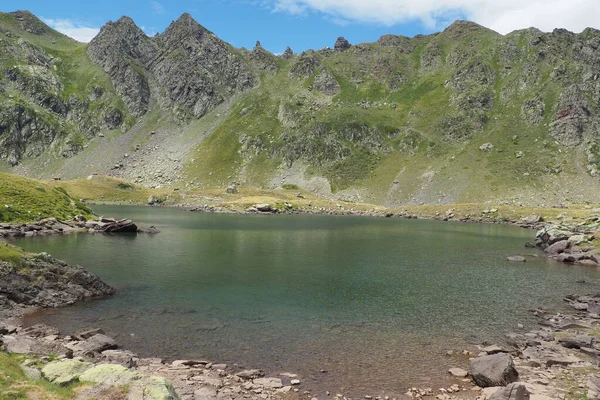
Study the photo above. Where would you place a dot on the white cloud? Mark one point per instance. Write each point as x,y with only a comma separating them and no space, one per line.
157,8
73,29
501,15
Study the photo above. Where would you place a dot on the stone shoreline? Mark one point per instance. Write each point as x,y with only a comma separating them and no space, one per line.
53,226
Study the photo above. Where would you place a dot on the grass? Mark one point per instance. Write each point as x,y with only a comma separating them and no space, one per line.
11,254
24,199
14,385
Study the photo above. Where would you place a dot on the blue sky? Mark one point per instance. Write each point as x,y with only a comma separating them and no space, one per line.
306,24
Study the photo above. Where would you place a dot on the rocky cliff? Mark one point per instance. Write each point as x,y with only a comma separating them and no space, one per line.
462,115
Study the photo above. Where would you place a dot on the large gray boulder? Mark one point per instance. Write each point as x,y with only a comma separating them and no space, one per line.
96,344
495,370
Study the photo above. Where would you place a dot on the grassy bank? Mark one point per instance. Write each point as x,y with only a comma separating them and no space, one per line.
23,200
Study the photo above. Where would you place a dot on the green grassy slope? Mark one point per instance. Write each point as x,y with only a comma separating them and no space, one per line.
24,199
399,121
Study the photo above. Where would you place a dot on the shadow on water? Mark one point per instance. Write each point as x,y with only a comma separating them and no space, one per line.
375,302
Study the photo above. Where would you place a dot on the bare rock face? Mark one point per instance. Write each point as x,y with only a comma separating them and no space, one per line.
326,83
263,59
572,117
288,53
187,68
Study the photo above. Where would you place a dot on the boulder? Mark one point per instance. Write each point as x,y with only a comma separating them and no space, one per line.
232,189
263,207
32,374
494,370
342,44
123,357
122,226
64,372
558,247
514,391
152,388
270,383
96,344
152,230
486,147
250,374
109,375
576,342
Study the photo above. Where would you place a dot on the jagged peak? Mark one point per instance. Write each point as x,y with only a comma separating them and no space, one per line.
184,27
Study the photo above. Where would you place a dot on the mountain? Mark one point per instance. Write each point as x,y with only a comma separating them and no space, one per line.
464,115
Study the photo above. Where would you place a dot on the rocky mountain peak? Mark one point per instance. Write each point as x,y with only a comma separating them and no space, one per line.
288,53
460,29
183,28
30,23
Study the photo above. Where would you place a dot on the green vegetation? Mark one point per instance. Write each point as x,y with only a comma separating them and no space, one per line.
24,199
10,254
14,385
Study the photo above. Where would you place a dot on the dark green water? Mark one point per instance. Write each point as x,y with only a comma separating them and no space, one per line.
375,302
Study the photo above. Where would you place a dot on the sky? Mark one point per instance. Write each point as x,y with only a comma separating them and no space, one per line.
311,24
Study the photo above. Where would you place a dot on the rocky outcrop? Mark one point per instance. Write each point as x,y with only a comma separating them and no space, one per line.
38,280
342,44
186,68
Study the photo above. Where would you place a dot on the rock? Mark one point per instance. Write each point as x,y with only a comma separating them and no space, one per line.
250,374
516,259
493,370
152,388
151,201
576,342
519,154
494,349
263,207
151,230
86,334
295,382
109,375
458,372
96,344
342,44
18,344
486,147
232,189
189,363
558,247
64,372
271,383
123,226
288,53
33,374
205,393
123,357
514,391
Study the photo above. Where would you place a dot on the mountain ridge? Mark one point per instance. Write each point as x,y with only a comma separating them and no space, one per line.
397,121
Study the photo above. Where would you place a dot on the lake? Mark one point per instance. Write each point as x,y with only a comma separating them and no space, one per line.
374,302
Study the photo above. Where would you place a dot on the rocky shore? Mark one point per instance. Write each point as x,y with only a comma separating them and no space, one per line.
53,226
531,222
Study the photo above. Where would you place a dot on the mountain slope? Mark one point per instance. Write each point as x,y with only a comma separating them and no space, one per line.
462,115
